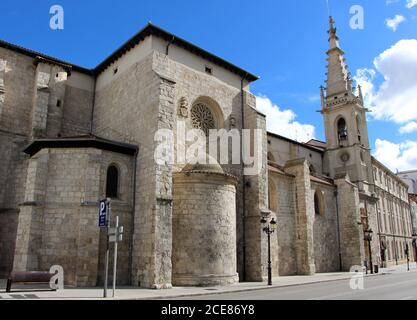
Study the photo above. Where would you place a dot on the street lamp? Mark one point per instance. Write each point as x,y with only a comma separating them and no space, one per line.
269,228
368,237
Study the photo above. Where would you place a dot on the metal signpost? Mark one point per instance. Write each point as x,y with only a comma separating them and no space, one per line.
113,235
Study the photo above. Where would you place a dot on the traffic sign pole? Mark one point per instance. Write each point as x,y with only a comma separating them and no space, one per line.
115,254
106,271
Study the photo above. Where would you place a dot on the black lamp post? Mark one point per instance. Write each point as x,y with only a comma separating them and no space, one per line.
368,237
407,254
269,228
415,246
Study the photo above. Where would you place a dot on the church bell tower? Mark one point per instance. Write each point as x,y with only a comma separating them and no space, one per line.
347,143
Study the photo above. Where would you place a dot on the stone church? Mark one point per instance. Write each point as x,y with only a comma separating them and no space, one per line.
71,136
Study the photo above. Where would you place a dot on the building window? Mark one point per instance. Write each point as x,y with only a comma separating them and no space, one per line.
318,203
112,182
202,118
342,130
209,70
272,196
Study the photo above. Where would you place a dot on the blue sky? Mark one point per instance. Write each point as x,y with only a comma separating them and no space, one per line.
284,42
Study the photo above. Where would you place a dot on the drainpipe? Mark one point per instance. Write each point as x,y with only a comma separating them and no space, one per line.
379,230
132,222
93,107
168,45
336,194
243,183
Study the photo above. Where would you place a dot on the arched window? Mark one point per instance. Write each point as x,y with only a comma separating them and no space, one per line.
358,126
342,130
318,203
112,182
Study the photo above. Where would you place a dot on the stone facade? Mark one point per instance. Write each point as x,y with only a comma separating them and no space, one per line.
62,127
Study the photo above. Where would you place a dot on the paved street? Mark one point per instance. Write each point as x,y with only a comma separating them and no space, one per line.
392,283
390,286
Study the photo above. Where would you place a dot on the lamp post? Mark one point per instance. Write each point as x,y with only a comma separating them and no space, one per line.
407,254
269,228
415,246
368,237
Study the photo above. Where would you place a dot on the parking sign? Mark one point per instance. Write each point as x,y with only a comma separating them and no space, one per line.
102,217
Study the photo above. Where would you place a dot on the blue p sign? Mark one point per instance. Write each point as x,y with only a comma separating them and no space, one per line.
102,217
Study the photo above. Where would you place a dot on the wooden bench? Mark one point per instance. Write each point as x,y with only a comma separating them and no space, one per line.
28,277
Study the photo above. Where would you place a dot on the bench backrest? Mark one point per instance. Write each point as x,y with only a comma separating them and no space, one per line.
31,276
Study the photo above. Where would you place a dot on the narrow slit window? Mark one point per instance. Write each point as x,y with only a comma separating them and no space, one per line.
112,182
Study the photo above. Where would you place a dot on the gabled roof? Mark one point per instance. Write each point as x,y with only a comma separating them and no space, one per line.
149,30
153,30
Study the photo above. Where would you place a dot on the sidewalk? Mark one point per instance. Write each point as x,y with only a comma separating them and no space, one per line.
129,293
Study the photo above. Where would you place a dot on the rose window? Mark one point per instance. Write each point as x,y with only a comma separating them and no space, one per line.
202,118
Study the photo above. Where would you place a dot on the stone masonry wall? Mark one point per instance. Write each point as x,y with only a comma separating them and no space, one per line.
285,234
131,109
351,233
325,229
58,221
304,242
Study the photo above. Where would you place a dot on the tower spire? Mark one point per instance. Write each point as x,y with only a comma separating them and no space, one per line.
338,77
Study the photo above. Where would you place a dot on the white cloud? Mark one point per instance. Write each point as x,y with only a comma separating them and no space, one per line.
395,22
396,98
283,122
411,3
409,127
400,157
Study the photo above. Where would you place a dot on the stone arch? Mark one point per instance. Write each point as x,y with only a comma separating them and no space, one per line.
341,129
272,196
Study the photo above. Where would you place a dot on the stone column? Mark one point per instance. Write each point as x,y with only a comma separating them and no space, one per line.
41,100
49,99
152,239
351,231
29,229
304,245
56,107
256,194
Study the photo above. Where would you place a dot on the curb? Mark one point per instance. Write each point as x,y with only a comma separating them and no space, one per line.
248,289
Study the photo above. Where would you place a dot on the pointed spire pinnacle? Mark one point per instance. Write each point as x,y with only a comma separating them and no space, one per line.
333,38
338,78
322,97
360,94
